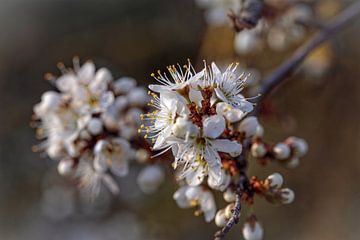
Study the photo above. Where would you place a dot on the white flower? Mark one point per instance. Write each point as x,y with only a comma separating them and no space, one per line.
223,184
220,219
179,78
229,86
162,119
150,178
88,89
300,146
199,156
113,155
196,196
231,114
65,167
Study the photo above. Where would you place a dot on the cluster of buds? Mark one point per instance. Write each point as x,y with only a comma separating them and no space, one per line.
287,153
202,117
89,125
282,22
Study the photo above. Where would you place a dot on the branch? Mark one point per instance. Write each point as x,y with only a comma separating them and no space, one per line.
284,70
234,218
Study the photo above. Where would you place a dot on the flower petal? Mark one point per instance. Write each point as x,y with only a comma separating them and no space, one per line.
224,145
214,126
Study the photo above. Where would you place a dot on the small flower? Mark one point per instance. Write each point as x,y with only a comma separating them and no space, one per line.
112,154
200,156
228,86
220,219
258,150
196,196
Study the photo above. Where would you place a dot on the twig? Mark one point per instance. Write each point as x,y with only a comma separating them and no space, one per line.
284,70
234,218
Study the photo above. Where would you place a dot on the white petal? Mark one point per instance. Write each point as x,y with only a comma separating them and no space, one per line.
216,71
180,197
214,126
196,176
86,72
66,82
208,206
223,145
195,96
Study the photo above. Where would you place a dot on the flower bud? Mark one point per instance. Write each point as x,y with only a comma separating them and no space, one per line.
54,150
138,97
229,210
293,163
249,126
220,219
258,150
95,126
65,167
142,155
124,85
259,131
275,180
287,195
300,146
252,231
229,195
50,100
281,151
150,178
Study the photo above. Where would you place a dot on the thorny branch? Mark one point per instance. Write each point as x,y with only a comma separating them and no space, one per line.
278,77
280,74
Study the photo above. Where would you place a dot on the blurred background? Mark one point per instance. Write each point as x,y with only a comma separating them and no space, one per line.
134,38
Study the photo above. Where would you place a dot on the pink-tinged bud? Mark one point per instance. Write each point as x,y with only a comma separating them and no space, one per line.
258,150
281,151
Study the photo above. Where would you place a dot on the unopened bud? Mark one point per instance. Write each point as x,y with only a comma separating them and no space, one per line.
258,150
229,210
287,196
249,126
281,151
275,180
65,167
220,219
300,146
252,231
95,126
229,195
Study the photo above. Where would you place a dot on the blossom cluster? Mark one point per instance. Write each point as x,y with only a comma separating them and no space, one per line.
89,125
206,122
282,23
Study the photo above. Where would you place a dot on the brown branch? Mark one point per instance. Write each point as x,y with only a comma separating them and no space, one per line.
284,70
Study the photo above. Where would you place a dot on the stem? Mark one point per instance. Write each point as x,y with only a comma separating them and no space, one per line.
280,74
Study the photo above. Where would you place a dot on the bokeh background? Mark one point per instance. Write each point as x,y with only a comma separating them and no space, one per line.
135,38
